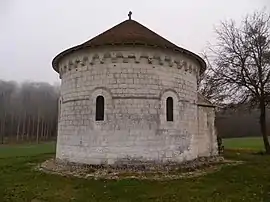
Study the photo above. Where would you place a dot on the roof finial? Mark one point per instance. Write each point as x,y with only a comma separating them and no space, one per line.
129,15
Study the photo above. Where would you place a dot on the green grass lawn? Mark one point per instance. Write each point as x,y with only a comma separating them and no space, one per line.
19,182
26,149
252,143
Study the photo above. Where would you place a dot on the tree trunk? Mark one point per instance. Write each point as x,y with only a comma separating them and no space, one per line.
45,130
51,129
37,136
1,131
42,128
24,123
48,128
263,127
28,127
3,128
11,125
18,128
33,128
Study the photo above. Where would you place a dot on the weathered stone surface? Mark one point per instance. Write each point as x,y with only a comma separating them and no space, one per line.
135,127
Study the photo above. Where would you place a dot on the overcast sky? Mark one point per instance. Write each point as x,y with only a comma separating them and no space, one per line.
32,32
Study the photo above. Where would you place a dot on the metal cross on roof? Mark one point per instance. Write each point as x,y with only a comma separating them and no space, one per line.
129,15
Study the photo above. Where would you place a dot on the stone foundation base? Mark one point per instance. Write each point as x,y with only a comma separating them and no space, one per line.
198,167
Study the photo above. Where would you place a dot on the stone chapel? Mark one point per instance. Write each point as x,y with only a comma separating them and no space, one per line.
129,95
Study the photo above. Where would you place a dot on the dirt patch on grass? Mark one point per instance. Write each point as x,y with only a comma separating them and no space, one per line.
170,171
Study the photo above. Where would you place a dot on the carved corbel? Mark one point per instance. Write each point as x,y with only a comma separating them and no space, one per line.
101,61
150,60
119,55
77,61
107,55
132,56
158,58
177,63
195,70
114,60
85,58
91,62
125,59
137,58
161,60
60,71
64,69
116,56
171,62
95,58
185,66
70,65
180,64
167,59
144,55
70,62
190,69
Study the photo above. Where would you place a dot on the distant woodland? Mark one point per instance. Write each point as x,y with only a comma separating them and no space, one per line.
242,121
28,111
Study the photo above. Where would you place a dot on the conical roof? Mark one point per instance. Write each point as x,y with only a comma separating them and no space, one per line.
129,32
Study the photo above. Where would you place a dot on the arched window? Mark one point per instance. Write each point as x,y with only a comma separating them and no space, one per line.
100,108
169,109
59,108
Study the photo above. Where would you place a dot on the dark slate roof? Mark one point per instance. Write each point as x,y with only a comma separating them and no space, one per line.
129,32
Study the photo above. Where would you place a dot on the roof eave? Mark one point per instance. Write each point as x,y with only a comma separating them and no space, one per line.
56,59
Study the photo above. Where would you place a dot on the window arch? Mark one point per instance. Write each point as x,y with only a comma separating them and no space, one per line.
100,108
169,109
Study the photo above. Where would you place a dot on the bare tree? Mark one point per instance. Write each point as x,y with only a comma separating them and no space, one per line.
210,86
240,67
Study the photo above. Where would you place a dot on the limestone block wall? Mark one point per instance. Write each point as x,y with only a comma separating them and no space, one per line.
206,139
135,83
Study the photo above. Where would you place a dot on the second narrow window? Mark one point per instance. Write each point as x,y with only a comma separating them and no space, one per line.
100,108
169,109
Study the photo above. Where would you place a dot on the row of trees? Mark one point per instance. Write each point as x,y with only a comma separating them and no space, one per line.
239,121
239,66
28,112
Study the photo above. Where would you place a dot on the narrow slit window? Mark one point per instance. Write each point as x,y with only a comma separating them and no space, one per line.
100,108
169,109
59,108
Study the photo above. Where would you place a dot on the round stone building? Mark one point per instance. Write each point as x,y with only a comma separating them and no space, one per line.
129,95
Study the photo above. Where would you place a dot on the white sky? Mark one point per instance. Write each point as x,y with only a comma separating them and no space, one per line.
32,32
